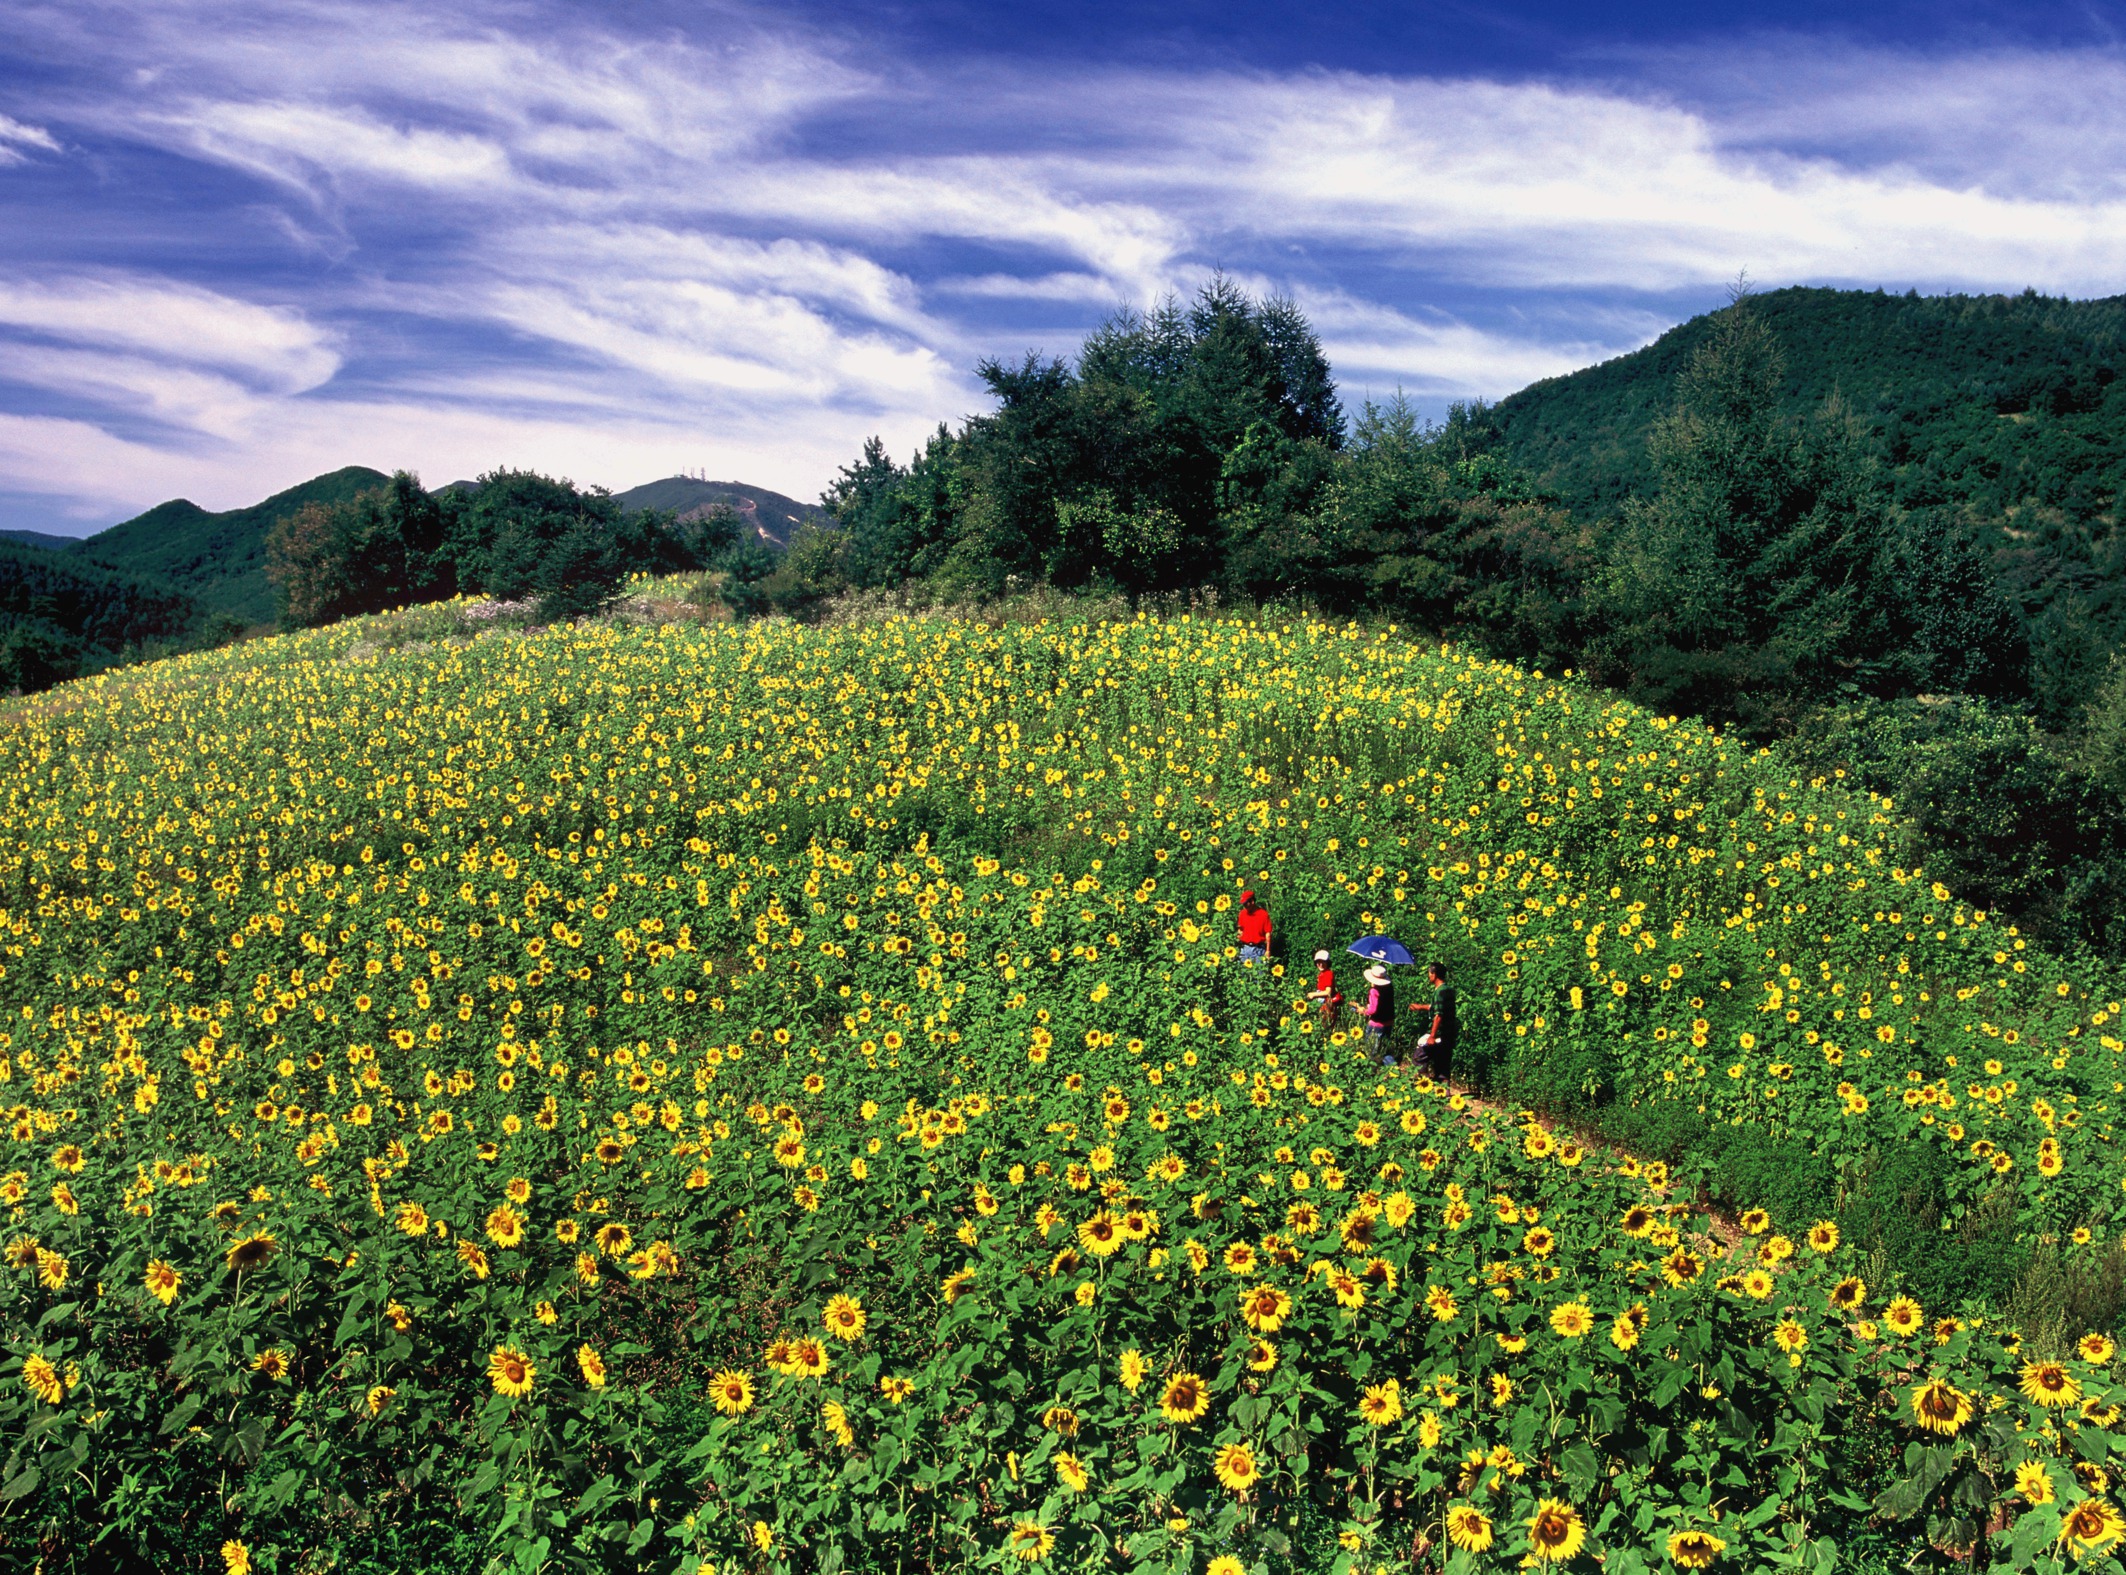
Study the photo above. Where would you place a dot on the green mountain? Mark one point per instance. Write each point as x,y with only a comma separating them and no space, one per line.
768,516
220,559
1993,405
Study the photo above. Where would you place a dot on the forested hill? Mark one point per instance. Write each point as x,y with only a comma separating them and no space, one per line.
220,559
1991,405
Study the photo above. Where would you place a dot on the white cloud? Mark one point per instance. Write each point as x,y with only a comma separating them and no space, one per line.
15,137
271,348
517,236
1376,349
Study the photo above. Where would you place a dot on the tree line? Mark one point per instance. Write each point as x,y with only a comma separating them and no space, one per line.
513,535
1766,576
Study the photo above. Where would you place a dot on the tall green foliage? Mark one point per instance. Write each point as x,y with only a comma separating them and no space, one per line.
1750,583
1115,472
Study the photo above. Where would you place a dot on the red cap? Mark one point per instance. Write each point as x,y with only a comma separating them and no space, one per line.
1244,896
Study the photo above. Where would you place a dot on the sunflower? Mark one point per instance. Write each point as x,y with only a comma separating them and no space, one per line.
614,1239
1440,1302
272,1362
1903,1316
1681,1267
1940,1407
1030,1541
1849,1294
2048,1384
163,1281
1240,1258
732,1391
1224,1564
2095,1348
2092,1525
1624,1333
1071,1472
379,1397
1695,1550
1757,1284
1755,1221
845,1318
1134,1368
42,1378
1823,1237
808,1358
1102,1235
834,1417
1265,1309
591,1365
69,1158
1555,1531
1236,1469
253,1251
1061,1419
1186,1398
1468,1528
1382,1404
955,1285
1789,1336
896,1389
235,1558
505,1226
511,1371
2034,1482
1540,1242
1572,1319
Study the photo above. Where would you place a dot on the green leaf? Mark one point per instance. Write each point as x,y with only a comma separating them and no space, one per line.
1581,1465
22,1482
181,1414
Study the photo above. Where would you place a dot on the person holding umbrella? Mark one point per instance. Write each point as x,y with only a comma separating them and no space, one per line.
1380,1013
1380,950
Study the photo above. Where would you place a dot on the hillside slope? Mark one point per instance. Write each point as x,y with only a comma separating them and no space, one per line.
769,516
817,1061
60,616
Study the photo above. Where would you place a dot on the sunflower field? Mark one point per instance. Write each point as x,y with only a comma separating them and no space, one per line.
766,1099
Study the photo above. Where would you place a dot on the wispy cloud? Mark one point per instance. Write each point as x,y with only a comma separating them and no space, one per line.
451,238
17,141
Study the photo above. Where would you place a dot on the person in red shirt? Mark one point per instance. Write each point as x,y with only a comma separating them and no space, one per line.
1254,929
1325,994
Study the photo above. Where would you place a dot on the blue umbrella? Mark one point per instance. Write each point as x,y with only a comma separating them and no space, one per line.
1381,948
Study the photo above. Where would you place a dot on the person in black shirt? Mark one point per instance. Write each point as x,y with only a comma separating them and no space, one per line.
1436,1048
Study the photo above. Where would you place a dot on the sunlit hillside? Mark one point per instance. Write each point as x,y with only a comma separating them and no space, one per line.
784,1098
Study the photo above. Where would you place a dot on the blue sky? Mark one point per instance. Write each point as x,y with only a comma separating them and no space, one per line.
242,244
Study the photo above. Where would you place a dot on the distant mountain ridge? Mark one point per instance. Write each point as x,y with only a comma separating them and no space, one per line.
770,516
219,559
